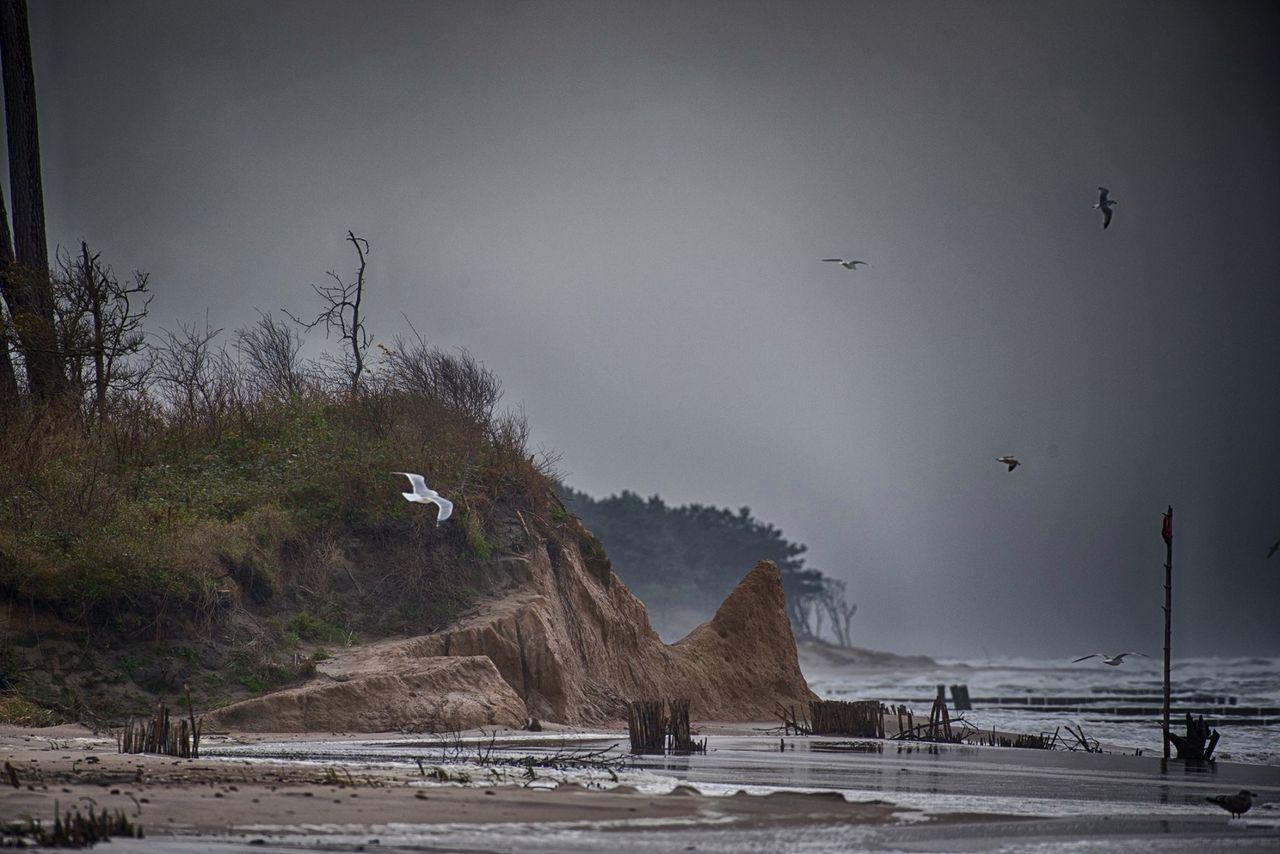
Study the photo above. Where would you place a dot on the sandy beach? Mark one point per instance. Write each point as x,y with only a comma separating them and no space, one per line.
746,793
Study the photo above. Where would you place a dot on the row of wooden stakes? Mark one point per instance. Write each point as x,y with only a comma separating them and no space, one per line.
661,726
161,734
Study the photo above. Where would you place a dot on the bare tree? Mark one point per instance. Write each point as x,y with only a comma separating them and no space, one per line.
100,325
25,277
802,614
839,610
342,313
271,350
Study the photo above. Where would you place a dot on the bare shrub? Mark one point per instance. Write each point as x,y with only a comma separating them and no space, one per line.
456,381
270,350
196,378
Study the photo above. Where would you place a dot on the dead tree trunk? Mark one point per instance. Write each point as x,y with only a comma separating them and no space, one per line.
1199,742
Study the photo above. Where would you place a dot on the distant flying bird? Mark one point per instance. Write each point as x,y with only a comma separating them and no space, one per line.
1011,461
1105,204
425,495
848,265
1237,804
1113,660
1275,547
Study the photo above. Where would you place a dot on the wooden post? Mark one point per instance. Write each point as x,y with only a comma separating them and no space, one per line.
1166,531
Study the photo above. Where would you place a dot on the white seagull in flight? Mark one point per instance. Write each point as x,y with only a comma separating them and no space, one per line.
425,495
1011,461
1105,204
1113,660
848,265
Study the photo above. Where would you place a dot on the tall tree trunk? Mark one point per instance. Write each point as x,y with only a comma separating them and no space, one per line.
8,379
33,313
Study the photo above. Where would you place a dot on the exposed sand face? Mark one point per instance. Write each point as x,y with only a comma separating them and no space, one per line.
561,647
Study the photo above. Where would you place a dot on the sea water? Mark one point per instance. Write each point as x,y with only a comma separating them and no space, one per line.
1253,682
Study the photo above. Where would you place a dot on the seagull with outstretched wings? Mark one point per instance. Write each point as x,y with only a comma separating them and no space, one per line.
848,265
1113,660
424,494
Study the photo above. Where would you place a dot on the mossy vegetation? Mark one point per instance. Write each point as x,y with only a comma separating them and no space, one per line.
215,535
19,711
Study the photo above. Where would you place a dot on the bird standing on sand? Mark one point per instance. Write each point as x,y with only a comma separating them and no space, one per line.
1237,804
425,495
1011,461
1113,660
848,265
1275,547
1105,204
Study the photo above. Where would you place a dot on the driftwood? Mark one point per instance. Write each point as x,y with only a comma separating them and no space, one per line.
1199,742
793,721
1082,742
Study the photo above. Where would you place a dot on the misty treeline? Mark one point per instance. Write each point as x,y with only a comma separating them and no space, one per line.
683,561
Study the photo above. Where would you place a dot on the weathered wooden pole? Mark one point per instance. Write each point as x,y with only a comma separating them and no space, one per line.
1166,531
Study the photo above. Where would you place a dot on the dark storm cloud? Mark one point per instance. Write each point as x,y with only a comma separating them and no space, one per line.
620,207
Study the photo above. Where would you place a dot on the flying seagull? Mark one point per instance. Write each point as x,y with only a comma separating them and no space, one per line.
1105,204
1113,660
848,265
425,495
1275,547
1237,804
1011,461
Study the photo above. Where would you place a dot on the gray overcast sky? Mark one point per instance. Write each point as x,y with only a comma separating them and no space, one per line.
621,207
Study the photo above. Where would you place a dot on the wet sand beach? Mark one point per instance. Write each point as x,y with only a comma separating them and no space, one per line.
745,794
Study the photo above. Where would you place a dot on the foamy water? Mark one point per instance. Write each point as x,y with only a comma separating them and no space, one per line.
1254,682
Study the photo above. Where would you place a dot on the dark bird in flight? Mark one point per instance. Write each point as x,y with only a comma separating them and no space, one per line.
1105,204
1011,461
848,265
1237,804
1113,660
1275,547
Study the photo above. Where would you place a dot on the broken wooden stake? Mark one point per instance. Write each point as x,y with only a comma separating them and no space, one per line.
1199,742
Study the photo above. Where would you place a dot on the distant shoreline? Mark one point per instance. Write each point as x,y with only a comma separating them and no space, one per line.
818,658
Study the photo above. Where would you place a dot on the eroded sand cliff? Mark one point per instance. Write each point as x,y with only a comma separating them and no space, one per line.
568,643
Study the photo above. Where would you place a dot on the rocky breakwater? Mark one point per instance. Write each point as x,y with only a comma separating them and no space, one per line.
567,643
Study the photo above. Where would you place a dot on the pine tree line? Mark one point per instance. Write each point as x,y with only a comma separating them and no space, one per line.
683,561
